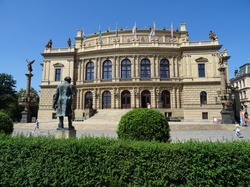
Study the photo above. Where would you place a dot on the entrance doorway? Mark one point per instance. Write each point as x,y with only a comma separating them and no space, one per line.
126,99
106,100
145,98
165,97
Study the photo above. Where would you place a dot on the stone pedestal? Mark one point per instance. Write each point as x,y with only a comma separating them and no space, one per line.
227,117
25,117
65,133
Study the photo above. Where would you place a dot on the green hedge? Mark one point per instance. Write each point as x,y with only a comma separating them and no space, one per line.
144,124
89,161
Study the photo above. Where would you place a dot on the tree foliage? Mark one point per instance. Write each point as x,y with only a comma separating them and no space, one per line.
9,98
6,124
7,91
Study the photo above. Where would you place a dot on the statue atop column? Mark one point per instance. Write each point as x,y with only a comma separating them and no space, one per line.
221,56
29,64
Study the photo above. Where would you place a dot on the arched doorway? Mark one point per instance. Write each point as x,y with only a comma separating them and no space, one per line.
126,99
165,97
145,98
88,100
106,100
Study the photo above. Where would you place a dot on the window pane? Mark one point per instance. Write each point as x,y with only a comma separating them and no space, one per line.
107,70
145,68
164,68
126,68
201,70
57,74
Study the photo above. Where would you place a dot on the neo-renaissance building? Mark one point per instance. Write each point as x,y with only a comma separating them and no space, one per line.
121,70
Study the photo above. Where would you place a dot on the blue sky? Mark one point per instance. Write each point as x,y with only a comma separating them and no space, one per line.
27,25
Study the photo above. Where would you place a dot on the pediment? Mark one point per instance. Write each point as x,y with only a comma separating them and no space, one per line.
201,59
58,65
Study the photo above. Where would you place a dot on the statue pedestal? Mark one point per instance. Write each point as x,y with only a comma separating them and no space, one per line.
65,133
25,117
227,117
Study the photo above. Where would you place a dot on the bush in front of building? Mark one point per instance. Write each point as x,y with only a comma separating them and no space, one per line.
144,124
6,124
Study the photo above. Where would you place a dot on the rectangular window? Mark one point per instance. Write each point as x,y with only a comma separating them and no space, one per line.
201,70
54,115
204,115
58,75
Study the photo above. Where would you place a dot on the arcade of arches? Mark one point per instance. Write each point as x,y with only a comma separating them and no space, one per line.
125,99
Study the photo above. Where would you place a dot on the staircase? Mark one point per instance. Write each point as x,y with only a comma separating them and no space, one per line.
105,119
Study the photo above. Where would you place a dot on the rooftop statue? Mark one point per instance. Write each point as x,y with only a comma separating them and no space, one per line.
213,36
49,44
69,42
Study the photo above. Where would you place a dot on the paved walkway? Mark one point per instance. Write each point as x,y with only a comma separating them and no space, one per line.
180,131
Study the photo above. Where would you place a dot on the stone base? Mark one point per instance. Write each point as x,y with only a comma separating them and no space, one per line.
227,117
65,133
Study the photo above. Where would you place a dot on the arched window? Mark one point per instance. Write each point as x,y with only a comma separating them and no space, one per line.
145,68
164,68
107,70
90,71
126,69
203,98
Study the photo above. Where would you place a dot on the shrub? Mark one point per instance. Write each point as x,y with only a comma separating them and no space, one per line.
144,124
6,124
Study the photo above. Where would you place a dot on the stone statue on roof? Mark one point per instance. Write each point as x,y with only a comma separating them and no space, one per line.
213,36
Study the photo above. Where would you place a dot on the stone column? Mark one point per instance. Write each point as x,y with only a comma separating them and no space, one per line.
137,67
114,69
157,67
184,66
153,67
173,102
118,69
96,70
133,67
172,74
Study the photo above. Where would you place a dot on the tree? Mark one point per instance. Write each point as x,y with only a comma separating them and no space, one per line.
34,100
8,98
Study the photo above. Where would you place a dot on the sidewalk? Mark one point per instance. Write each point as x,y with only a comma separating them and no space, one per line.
180,131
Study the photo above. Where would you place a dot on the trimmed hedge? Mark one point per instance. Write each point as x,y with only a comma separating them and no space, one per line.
144,124
89,161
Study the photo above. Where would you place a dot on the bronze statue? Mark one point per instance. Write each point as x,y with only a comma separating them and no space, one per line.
30,65
62,101
49,44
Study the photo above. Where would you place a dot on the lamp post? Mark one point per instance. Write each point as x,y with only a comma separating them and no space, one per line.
27,98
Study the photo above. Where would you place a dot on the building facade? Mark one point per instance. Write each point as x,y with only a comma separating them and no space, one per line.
241,81
125,70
